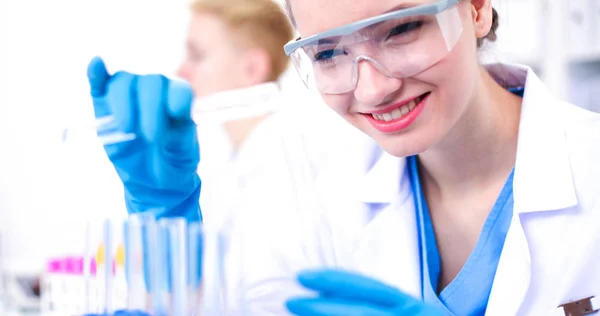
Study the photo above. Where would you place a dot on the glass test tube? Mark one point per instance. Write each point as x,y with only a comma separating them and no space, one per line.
108,259
176,266
213,297
87,266
195,256
155,257
135,267
163,265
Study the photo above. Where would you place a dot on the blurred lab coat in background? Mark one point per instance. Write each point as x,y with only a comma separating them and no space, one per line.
297,138
224,154
228,166
262,164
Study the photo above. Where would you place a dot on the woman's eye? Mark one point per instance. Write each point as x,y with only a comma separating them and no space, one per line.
328,54
194,56
404,28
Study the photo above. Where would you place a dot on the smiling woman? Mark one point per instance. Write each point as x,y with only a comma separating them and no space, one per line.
407,74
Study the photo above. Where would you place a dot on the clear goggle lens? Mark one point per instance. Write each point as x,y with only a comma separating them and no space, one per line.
397,47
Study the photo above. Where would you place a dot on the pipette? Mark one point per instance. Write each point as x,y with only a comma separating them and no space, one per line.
106,131
223,106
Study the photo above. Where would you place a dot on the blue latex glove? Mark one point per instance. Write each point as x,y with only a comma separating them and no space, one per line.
158,168
345,294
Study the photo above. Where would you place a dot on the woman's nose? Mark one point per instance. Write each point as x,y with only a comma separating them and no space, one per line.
373,87
182,72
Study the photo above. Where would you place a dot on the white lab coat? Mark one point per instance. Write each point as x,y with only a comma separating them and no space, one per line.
321,219
225,171
223,168
228,175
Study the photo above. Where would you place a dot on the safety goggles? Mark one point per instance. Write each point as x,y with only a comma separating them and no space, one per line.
399,44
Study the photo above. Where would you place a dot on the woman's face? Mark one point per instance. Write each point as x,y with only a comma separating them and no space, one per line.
448,86
214,57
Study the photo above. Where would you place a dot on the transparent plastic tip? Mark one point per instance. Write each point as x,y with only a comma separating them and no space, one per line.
105,129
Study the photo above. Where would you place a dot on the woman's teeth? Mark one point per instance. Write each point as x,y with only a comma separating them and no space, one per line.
397,113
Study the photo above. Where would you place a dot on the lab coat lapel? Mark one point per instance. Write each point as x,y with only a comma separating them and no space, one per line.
396,260
513,275
377,206
542,182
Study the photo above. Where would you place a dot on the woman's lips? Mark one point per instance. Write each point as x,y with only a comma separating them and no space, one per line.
398,116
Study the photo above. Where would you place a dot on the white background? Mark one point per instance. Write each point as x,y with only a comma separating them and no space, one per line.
48,189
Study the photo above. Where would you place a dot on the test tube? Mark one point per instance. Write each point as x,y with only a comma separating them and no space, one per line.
154,250
2,285
87,265
163,265
213,299
195,255
137,288
107,229
175,241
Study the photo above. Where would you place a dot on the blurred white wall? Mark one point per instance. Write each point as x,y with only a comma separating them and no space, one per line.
48,189
559,39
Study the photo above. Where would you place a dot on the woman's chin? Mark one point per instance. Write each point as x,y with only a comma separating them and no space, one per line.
402,145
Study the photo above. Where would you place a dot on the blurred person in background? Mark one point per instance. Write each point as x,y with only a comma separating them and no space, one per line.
244,38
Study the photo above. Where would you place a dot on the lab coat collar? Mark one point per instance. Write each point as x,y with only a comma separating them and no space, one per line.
542,179
216,150
238,104
381,181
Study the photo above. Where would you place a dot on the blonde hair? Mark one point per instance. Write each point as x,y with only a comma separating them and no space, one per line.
262,22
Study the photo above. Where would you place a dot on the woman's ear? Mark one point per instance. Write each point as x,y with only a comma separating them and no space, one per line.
483,16
257,65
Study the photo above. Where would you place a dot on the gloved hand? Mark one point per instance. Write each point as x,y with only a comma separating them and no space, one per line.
158,168
345,294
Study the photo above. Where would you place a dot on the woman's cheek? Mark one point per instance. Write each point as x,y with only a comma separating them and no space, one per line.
338,103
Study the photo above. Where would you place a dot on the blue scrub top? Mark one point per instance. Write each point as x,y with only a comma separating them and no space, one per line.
469,291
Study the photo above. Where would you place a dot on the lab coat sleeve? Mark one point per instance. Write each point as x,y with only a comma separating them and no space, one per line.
268,255
278,230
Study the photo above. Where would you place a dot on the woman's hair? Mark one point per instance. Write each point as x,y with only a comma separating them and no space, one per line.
491,36
262,23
